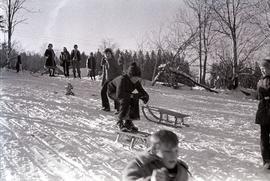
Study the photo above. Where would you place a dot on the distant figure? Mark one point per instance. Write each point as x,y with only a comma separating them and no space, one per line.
75,61
160,162
69,88
91,64
120,89
65,61
110,71
121,62
18,63
263,112
50,60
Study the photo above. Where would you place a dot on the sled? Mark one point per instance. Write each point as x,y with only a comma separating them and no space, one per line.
133,137
164,116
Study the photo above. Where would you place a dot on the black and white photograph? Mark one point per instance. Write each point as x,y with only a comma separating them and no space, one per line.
134,90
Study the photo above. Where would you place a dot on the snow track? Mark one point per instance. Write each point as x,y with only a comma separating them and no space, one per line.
45,135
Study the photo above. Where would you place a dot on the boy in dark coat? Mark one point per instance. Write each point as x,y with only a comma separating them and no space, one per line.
110,71
160,162
120,89
263,112
91,64
75,61
50,59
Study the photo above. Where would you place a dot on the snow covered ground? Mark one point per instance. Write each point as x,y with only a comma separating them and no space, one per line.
46,135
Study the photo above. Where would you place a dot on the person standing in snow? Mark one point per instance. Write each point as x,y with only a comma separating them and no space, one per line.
91,65
120,90
18,63
65,61
160,162
110,71
263,112
75,61
50,60
121,62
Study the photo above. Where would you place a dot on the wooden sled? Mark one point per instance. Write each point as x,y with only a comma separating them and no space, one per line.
134,137
164,116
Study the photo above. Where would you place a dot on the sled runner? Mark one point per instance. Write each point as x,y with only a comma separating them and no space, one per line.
134,137
164,116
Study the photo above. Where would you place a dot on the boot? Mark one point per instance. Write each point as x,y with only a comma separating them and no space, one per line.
130,126
266,165
121,126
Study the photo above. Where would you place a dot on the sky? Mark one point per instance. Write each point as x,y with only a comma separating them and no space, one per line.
88,22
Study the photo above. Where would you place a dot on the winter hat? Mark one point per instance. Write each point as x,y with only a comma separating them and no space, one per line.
134,70
265,63
108,50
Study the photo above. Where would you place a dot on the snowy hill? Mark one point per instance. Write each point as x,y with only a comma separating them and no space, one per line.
46,135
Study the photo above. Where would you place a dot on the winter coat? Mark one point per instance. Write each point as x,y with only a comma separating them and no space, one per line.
64,58
263,112
76,55
111,69
91,62
50,62
142,167
120,89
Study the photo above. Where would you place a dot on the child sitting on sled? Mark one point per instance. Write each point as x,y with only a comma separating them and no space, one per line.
69,88
160,162
120,89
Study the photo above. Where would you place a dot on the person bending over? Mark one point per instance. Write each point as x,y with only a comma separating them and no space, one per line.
120,90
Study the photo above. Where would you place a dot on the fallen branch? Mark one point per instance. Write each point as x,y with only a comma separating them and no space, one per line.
181,73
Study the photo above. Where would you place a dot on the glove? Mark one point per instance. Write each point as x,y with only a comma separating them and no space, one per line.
145,99
134,96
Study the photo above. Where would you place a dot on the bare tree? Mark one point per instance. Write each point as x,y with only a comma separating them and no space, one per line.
202,14
11,9
238,21
108,43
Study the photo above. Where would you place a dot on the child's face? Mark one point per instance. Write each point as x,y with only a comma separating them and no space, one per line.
265,70
108,55
168,155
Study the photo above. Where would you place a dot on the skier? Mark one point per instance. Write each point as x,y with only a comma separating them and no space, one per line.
120,89
160,162
263,112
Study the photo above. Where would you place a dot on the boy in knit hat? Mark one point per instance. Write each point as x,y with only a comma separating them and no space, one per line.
120,89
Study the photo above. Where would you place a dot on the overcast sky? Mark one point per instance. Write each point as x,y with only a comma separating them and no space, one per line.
87,22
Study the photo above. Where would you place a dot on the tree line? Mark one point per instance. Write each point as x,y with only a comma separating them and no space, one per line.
225,40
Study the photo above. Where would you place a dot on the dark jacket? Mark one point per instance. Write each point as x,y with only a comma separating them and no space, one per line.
142,167
120,89
76,56
263,91
91,62
49,54
111,69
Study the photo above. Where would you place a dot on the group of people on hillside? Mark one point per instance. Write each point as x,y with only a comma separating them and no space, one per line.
160,162
67,59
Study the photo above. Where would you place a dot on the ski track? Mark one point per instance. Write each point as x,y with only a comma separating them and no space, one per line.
45,135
